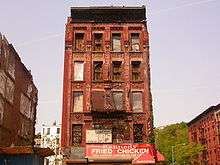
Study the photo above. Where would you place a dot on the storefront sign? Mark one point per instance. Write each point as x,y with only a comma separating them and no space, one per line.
98,136
132,152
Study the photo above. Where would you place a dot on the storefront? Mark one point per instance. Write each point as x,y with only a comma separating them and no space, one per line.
118,154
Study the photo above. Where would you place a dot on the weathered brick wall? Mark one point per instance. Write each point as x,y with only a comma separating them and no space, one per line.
18,98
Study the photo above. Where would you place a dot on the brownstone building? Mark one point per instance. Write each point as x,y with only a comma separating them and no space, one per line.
107,104
205,129
18,99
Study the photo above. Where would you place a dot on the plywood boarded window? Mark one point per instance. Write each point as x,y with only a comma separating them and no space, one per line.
137,100
97,70
116,70
79,41
135,42
138,133
97,41
1,110
2,83
116,42
118,100
9,95
98,100
136,70
78,71
78,102
76,134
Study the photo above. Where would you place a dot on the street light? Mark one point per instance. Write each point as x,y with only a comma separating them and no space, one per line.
172,148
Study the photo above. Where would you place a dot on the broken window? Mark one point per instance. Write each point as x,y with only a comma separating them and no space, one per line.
76,133
135,42
137,102
9,95
78,102
2,83
97,68
79,41
116,42
97,42
25,106
118,100
136,70
138,133
1,110
78,71
116,70
98,100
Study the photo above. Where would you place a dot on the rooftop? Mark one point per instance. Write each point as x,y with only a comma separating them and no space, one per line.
107,14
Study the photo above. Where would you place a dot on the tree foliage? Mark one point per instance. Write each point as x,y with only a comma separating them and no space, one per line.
174,138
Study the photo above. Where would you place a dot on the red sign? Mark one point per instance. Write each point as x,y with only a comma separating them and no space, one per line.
137,153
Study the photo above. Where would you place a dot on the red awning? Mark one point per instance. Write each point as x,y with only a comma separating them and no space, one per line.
145,158
160,157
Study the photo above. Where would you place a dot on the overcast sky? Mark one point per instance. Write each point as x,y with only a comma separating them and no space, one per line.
184,44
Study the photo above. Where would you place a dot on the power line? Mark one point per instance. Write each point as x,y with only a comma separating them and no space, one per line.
182,6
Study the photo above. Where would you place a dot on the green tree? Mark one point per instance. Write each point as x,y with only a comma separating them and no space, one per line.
172,141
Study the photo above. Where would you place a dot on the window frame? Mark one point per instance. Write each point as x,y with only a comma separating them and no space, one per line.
117,72
76,73
73,102
132,102
136,71
112,43
75,43
80,132
135,136
131,43
95,72
100,42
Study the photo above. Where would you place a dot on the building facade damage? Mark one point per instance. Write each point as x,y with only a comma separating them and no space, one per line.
106,93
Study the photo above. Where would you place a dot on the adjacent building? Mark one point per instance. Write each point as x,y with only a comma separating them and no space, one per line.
18,99
205,129
50,138
107,107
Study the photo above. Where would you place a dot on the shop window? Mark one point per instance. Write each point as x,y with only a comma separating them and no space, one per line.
138,133
136,70
79,41
137,102
116,70
97,70
78,71
135,42
116,42
76,133
78,102
118,100
98,42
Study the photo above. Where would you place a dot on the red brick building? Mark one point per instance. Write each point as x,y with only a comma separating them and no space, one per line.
205,129
106,91
18,99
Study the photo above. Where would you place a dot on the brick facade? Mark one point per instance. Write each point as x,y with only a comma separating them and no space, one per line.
205,129
18,99
106,77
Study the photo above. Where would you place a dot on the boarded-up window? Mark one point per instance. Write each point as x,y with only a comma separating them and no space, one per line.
76,134
137,102
138,133
25,106
136,70
98,100
97,42
78,71
11,66
116,42
1,110
97,70
2,83
135,42
118,100
116,70
78,102
9,90
79,41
